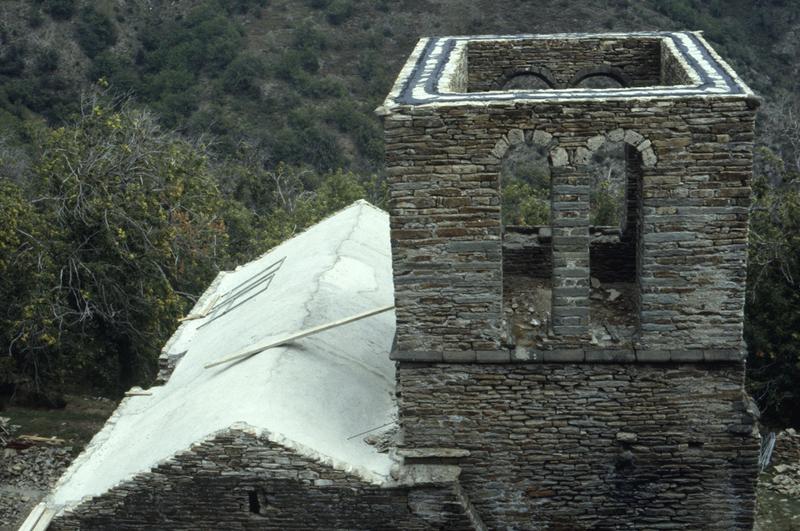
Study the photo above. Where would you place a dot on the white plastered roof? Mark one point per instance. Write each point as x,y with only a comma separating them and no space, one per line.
314,394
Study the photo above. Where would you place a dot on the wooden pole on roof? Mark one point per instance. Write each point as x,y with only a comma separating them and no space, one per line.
297,335
39,518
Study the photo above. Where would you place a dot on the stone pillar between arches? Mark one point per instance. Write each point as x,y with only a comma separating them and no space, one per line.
570,226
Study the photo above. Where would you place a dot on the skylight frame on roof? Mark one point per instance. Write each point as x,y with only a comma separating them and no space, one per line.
426,77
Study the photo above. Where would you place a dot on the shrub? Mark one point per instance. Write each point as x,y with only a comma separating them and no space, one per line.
35,17
242,75
293,63
117,69
606,204
60,9
12,63
524,205
46,61
307,145
243,6
318,4
339,11
94,31
308,37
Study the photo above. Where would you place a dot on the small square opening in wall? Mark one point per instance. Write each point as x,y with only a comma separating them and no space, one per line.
258,502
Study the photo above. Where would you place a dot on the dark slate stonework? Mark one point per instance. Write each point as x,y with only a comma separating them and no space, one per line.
656,435
572,446
563,63
612,256
575,436
240,481
446,230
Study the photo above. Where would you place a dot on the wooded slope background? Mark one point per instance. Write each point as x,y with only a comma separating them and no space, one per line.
146,144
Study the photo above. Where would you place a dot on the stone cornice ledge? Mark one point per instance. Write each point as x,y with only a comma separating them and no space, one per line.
571,355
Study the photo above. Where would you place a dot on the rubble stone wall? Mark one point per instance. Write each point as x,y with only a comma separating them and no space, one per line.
239,481
672,72
582,446
563,62
787,448
524,253
444,164
611,259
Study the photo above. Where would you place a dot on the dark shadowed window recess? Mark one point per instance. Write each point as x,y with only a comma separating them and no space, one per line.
527,81
258,502
615,171
526,188
599,81
601,77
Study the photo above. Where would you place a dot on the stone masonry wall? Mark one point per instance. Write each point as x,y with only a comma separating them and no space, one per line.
564,62
524,253
581,446
569,219
444,164
611,259
672,72
216,483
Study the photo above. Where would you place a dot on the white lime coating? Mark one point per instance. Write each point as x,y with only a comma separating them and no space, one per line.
313,395
423,66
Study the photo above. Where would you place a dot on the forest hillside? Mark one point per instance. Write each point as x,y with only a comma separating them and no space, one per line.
144,145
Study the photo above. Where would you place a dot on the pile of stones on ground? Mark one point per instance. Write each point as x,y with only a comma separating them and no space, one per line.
785,464
26,473
786,480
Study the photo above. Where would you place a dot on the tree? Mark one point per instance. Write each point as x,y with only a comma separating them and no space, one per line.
772,325
133,234
94,31
28,332
268,206
60,9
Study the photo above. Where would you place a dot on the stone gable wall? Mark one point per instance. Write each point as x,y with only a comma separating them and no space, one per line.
210,487
582,446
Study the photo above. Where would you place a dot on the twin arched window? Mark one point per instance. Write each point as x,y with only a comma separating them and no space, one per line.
536,78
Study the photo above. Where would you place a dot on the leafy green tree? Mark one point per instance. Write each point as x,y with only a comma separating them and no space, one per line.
524,204
267,206
772,326
242,76
525,187
607,168
338,11
28,329
296,208
134,234
94,31
60,9
606,204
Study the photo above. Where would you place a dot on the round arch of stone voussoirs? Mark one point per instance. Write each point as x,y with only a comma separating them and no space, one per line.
557,155
583,154
600,71
507,77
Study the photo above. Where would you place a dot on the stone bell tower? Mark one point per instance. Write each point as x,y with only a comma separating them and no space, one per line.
623,413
